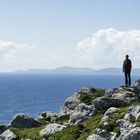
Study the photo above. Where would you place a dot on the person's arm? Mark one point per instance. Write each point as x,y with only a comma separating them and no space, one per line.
130,65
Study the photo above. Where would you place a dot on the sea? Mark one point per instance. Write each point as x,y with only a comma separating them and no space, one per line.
32,94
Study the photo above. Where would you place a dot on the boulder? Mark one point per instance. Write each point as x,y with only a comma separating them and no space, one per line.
24,121
134,110
130,119
108,114
8,135
95,137
127,94
70,104
133,134
51,128
105,103
47,117
87,90
2,128
81,112
109,93
102,134
125,125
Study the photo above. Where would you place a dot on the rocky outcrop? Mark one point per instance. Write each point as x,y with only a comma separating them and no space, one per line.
70,104
105,103
133,134
126,94
102,134
2,128
109,114
95,137
51,128
24,121
47,117
8,135
81,112
130,120
87,90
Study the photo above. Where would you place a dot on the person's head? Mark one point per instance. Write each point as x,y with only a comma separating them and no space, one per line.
127,56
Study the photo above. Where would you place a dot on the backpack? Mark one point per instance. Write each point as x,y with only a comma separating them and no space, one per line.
127,64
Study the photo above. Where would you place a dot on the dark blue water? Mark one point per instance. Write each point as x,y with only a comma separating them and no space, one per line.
35,93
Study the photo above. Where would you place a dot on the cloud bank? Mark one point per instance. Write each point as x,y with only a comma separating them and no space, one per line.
105,48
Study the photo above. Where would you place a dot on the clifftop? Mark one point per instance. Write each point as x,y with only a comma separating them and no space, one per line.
89,114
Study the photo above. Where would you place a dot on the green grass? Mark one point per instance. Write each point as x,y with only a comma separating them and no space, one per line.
28,133
90,126
62,119
80,131
119,114
69,133
87,98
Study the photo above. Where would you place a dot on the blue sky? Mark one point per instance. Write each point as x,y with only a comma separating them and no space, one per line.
46,33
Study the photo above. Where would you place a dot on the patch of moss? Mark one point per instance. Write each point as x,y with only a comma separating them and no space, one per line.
87,98
28,133
62,119
123,109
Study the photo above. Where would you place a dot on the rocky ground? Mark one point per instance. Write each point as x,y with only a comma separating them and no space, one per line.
90,114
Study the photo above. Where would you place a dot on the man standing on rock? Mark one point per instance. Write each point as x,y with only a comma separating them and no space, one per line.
127,65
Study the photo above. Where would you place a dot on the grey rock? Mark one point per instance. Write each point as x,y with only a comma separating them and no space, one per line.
127,94
24,121
130,117
8,135
125,125
95,137
2,128
109,93
70,104
134,110
133,134
109,113
105,103
106,134
65,111
102,134
51,128
87,90
82,112
47,117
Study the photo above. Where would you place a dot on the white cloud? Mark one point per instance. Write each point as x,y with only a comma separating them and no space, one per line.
9,48
105,48
10,55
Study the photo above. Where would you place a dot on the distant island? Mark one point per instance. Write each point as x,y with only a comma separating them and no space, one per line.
73,70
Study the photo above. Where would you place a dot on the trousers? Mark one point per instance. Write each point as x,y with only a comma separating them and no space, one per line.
127,77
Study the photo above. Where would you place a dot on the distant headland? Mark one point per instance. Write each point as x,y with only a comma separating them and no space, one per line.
73,70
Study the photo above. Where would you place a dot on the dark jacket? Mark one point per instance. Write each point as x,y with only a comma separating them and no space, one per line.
127,65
